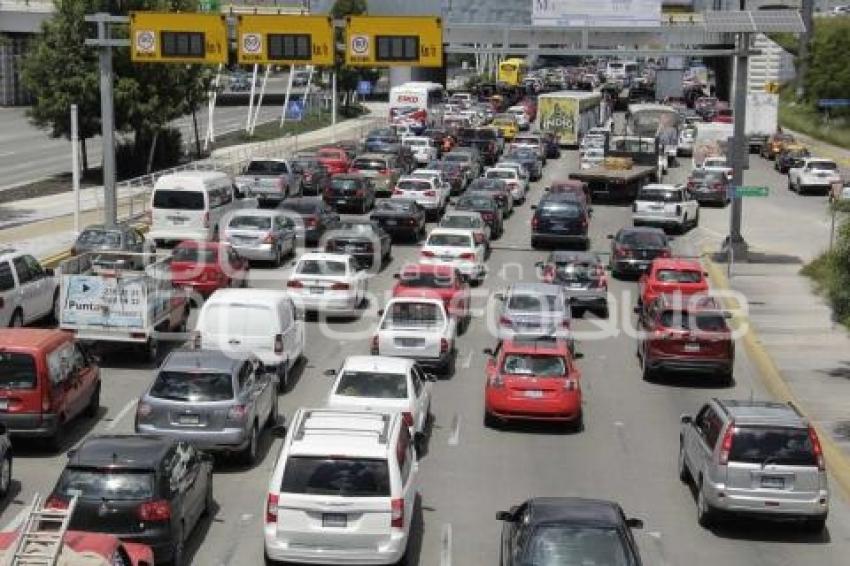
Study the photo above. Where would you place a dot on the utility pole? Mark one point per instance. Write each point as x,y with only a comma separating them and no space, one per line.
737,247
807,8
104,43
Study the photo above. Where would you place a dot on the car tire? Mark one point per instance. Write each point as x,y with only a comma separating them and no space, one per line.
5,474
283,378
726,379
93,407
56,443
684,473
576,426
177,546
268,561
696,220
54,313
814,525
706,514
208,499
491,422
249,454
17,320
273,413
647,374
602,312
278,257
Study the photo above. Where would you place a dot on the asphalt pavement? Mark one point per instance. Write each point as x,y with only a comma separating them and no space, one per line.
627,451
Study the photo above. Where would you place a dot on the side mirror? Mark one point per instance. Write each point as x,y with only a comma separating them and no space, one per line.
637,309
2,429
381,312
547,189
504,516
538,264
279,429
396,275
533,207
430,377
727,315
499,296
705,273
330,372
634,523
488,351
578,355
686,419
49,271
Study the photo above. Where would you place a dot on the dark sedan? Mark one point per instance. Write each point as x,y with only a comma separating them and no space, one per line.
315,217
560,220
486,204
529,159
790,157
349,191
709,186
140,488
401,218
583,277
568,530
118,240
633,249
496,187
366,241
314,175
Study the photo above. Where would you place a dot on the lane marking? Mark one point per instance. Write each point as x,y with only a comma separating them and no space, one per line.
6,153
468,361
655,536
454,438
446,545
120,416
621,435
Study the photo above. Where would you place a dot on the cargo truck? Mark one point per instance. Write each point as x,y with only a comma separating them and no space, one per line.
569,114
761,119
630,163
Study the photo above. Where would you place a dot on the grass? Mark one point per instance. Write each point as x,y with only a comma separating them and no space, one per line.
806,119
830,272
271,130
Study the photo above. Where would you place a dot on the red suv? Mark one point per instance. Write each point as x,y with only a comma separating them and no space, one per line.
207,266
534,380
686,334
46,380
335,160
670,276
439,282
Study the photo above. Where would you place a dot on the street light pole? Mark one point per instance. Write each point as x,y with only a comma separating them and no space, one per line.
740,146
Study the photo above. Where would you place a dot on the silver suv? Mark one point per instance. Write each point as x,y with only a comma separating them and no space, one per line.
754,458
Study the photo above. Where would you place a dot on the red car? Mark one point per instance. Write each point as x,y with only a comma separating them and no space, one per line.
534,380
439,282
207,266
724,116
572,187
672,276
88,549
685,335
334,159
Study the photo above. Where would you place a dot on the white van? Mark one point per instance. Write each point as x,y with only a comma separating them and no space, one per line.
263,322
190,205
343,490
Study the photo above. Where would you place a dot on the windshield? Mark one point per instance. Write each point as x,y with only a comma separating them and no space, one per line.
17,371
660,195
344,477
109,238
677,276
192,254
460,222
530,364
320,267
178,200
251,222
111,485
769,445
413,315
643,239
344,184
258,167
193,386
370,384
579,545
537,303
418,280
450,240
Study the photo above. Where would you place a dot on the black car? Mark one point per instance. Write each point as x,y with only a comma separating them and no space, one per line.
568,530
633,249
438,137
122,242
583,278
453,172
401,218
365,240
313,174
560,219
486,204
709,186
790,157
486,141
528,159
350,191
316,217
496,187
141,488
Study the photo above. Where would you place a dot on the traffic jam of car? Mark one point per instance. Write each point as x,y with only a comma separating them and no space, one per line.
380,273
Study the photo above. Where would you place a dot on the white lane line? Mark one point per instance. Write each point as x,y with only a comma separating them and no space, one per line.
120,416
446,546
468,361
655,536
454,439
6,153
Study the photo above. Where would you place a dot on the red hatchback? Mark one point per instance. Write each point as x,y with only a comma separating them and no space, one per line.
436,281
686,335
671,276
533,380
334,159
207,266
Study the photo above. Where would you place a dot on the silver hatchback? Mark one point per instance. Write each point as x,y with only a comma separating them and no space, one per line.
535,309
267,235
754,458
215,401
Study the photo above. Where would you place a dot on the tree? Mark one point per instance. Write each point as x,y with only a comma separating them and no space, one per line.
829,74
348,77
61,70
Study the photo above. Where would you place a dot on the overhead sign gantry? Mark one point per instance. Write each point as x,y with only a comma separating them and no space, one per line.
285,40
389,41
179,37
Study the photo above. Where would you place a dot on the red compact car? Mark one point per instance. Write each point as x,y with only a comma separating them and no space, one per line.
334,159
533,380
686,335
88,549
439,282
672,276
573,187
207,266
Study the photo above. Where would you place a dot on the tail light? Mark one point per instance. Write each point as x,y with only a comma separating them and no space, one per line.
294,284
496,381
430,193
411,222
716,186
56,502
397,192
278,343
384,172
237,413
726,445
505,321
479,238
571,384
271,508
622,251
340,287
426,253
467,256
397,521
665,253
311,222
549,273
535,222
206,220
269,239
143,410
816,448
565,324
444,346
408,418
329,192
281,185
159,510
691,184
45,400
308,176
584,223
375,349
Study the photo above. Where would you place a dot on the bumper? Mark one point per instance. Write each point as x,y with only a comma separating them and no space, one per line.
631,265
765,506
389,552
690,365
319,303
202,287
263,252
227,440
565,409
544,238
470,269
202,234
645,220
30,425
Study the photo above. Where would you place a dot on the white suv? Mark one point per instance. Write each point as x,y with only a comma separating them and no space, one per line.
343,490
28,291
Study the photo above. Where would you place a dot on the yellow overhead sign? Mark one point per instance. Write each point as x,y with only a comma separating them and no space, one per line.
388,41
285,39
166,37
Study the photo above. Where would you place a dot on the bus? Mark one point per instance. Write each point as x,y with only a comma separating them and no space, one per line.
418,105
622,71
512,71
658,121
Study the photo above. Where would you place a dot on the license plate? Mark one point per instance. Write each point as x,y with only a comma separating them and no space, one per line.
4,404
532,394
575,285
177,219
447,257
391,222
189,419
692,347
410,342
771,482
316,290
336,520
341,200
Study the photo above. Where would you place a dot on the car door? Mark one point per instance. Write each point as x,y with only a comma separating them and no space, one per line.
421,388
82,381
287,329
187,485
266,391
298,337
8,293
27,290
708,431
409,468
44,285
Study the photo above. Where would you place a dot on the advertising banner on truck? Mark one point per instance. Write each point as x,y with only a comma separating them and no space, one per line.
558,116
599,13
90,300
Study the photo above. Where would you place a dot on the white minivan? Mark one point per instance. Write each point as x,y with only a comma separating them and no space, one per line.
190,205
264,322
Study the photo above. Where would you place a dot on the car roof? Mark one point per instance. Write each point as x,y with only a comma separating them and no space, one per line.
574,256
121,450
203,359
533,288
574,509
36,338
321,432
536,345
752,412
387,364
677,263
435,268
453,231
268,297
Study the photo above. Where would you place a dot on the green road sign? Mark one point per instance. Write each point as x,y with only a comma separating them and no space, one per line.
209,6
750,192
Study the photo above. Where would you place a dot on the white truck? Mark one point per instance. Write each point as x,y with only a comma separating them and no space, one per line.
666,206
761,119
710,140
137,307
815,174
270,179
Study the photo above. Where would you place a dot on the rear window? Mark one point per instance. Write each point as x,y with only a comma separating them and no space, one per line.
112,485
643,239
17,371
545,303
413,315
476,203
109,238
676,276
460,222
369,165
772,445
528,364
501,174
343,184
320,267
450,240
344,477
706,322
660,195
266,168
369,384
560,209
418,280
193,386
251,222
178,200
195,255
414,185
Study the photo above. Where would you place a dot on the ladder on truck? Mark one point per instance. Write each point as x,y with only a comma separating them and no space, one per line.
42,534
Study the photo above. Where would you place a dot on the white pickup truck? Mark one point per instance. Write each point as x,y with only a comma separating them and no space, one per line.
667,206
815,174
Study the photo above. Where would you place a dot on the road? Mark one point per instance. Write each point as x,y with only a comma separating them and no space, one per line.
626,453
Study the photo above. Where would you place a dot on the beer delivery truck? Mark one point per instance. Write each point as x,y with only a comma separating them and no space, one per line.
569,114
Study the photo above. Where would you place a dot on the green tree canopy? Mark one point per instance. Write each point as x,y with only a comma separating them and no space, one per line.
829,73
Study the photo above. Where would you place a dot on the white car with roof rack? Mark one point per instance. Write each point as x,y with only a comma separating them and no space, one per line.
667,206
343,490
330,283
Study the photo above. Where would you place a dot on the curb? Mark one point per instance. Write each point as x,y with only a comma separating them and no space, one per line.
838,461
